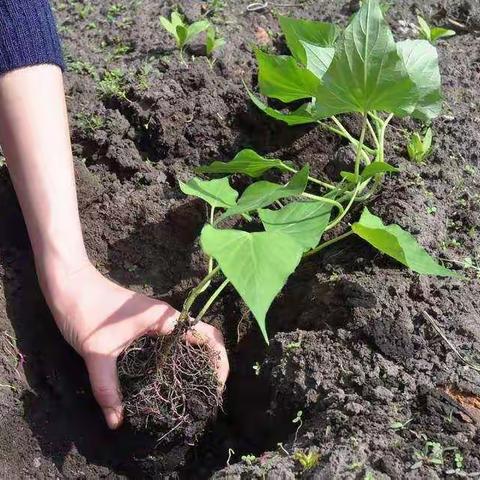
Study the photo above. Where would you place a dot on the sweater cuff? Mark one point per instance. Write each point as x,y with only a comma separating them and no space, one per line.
28,35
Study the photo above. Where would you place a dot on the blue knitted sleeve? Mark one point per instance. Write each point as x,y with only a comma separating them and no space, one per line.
28,35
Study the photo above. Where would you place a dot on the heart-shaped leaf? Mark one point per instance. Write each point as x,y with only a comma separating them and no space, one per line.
247,162
315,33
305,222
261,194
378,167
257,264
421,61
281,77
298,117
218,193
318,58
366,73
398,244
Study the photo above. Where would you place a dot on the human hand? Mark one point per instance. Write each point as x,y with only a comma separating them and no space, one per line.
100,318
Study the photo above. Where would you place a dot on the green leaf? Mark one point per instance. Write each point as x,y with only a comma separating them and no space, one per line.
218,193
300,116
247,162
421,62
195,29
281,77
182,33
318,58
377,167
366,72
303,221
350,177
398,244
418,148
167,25
438,32
261,194
213,43
257,264
315,33
425,31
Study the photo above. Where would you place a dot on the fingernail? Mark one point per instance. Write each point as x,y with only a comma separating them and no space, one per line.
114,417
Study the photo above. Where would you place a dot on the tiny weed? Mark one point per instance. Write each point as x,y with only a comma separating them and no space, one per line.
308,460
114,11
113,84
432,454
83,10
432,34
420,147
257,369
400,425
90,122
249,459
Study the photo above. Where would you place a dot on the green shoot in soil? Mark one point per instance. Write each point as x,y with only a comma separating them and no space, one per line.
181,31
432,34
420,147
360,71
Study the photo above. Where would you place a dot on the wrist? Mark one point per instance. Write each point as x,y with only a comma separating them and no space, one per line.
57,273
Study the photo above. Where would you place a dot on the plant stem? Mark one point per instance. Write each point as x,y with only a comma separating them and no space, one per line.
340,217
312,179
374,135
360,145
324,199
327,244
210,301
195,292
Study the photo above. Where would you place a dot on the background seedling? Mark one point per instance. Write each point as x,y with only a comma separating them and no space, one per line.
432,34
419,147
330,73
181,31
112,85
308,460
212,44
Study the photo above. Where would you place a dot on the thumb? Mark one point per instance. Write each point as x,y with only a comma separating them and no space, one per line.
102,371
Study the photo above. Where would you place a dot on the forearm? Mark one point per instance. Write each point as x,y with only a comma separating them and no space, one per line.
35,139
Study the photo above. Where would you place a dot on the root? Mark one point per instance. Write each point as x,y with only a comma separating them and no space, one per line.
169,385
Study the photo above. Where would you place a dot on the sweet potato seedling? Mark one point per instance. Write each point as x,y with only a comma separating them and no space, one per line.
213,43
432,34
420,147
358,71
181,31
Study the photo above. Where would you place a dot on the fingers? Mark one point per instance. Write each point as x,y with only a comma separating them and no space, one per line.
202,333
102,370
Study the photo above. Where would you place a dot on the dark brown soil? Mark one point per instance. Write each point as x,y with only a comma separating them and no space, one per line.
351,346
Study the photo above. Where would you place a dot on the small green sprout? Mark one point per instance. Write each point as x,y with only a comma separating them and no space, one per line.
257,368
182,32
112,84
369,476
114,11
2,160
420,147
458,459
82,67
213,42
83,10
431,454
432,34
90,122
249,459
400,425
308,460
294,345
